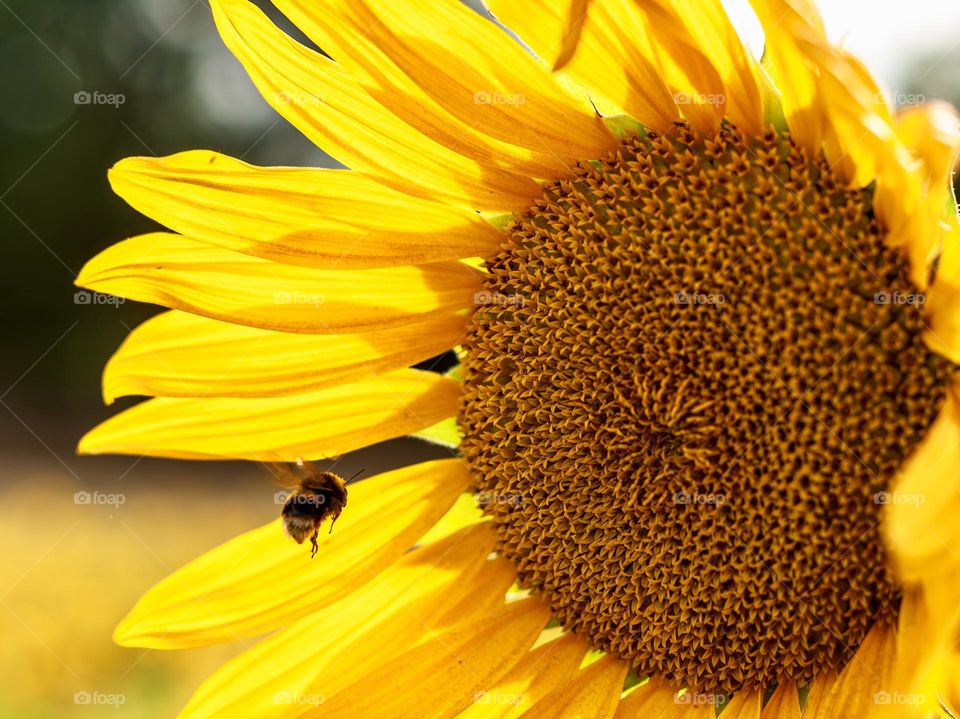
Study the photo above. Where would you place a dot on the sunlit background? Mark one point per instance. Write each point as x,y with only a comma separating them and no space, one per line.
83,537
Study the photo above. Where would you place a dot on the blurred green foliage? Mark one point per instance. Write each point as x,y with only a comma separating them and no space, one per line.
174,87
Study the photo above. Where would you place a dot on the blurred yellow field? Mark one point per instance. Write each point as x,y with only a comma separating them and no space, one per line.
74,565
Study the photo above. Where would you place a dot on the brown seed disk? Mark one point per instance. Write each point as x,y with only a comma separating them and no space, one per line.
693,368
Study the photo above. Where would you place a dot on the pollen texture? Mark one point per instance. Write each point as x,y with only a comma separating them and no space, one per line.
693,372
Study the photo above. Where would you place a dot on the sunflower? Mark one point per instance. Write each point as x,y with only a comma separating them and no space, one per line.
705,427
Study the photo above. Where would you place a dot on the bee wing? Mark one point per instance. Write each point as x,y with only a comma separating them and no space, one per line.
306,467
283,475
291,476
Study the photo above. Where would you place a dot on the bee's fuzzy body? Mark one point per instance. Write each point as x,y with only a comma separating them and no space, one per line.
319,496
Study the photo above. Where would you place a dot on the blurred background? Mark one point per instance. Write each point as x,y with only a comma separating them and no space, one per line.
71,569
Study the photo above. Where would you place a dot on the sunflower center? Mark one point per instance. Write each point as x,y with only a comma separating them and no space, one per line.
693,371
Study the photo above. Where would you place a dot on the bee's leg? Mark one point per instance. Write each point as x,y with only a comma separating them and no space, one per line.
313,542
333,521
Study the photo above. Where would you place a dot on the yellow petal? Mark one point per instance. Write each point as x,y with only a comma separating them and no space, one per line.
317,96
784,704
913,218
920,520
262,580
183,274
313,425
932,133
443,675
786,22
696,83
541,672
943,299
858,131
926,633
921,533
465,512
176,354
915,202
446,433
744,705
951,697
328,650
593,692
312,217
866,676
484,81
612,60
715,36
658,699
577,16
542,26
819,690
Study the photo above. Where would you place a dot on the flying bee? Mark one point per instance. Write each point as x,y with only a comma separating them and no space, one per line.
314,497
